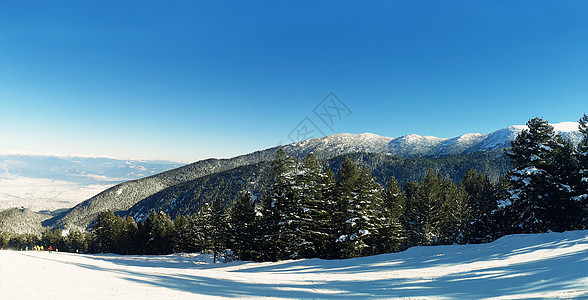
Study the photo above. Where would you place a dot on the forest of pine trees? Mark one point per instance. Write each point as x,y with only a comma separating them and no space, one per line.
311,212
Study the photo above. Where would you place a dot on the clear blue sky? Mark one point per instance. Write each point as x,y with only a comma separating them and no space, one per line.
184,81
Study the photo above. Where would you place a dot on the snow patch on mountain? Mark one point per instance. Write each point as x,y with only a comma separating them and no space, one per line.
414,145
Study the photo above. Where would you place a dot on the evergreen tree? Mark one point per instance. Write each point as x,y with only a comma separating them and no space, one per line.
369,215
424,214
345,193
393,233
182,238
285,197
266,228
484,205
565,210
156,233
213,228
107,232
311,183
537,194
242,226
77,242
456,212
330,229
581,190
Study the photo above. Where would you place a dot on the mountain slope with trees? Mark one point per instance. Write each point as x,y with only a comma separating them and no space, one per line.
124,196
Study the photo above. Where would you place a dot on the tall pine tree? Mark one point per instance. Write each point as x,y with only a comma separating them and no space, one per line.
242,226
538,194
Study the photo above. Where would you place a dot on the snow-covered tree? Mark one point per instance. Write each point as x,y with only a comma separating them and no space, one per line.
581,193
344,194
392,234
539,197
361,209
424,211
314,218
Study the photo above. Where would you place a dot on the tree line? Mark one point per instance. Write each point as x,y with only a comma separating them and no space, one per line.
309,211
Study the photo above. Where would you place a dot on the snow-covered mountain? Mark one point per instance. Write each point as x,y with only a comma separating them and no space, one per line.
414,145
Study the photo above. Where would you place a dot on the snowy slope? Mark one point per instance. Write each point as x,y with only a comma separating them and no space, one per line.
538,266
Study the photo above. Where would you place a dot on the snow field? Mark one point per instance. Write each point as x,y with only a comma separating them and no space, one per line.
552,265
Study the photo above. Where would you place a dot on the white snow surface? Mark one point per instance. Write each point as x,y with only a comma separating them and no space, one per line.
552,265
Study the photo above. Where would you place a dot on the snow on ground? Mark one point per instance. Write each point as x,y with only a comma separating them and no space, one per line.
553,265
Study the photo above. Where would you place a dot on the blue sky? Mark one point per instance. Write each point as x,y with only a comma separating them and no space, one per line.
187,80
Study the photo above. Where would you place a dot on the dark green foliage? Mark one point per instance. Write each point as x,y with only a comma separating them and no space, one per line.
108,232
424,208
393,233
156,234
483,202
183,239
314,217
212,228
186,198
581,187
242,222
345,189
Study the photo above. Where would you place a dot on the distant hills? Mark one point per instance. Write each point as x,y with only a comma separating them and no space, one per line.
184,189
42,182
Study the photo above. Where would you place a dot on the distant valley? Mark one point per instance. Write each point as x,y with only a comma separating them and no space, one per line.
49,182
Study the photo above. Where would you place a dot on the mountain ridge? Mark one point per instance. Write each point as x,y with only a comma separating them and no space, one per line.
125,195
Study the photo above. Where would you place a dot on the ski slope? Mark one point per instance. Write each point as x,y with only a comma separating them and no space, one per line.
552,265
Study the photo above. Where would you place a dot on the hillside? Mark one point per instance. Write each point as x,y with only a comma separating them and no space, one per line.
540,266
187,198
123,196
21,220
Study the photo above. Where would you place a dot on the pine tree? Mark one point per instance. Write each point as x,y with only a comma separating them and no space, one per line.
129,236
330,229
537,194
266,229
424,216
107,232
581,190
182,238
393,233
284,195
242,226
213,228
456,213
345,193
565,210
156,232
314,216
369,215
484,204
